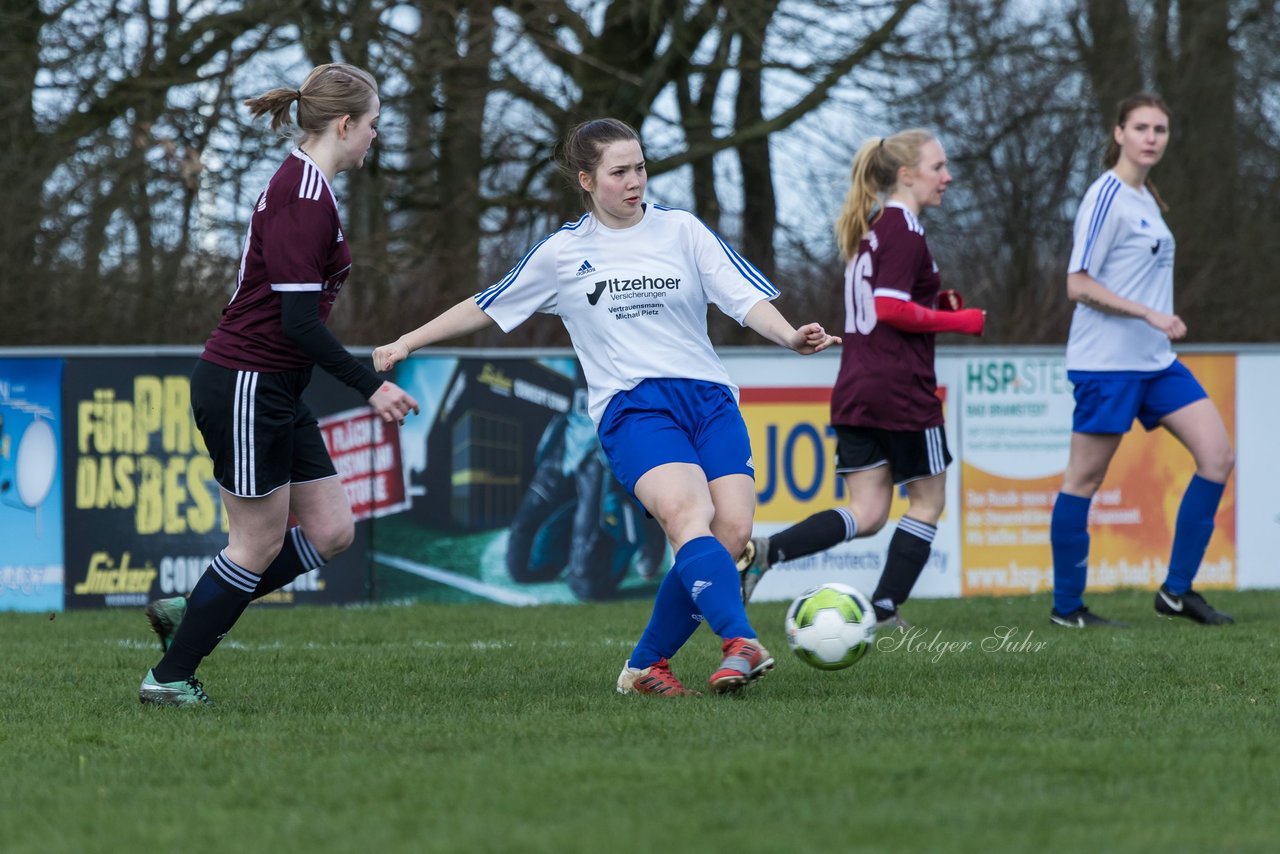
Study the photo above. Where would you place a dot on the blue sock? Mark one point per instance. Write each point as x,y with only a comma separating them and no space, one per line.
711,577
675,618
1069,536
1192,533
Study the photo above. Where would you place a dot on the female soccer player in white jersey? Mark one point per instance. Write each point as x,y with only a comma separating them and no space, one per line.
246,390
884,407
1122,365
632,282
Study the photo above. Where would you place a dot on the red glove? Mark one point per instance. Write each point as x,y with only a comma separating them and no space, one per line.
950,301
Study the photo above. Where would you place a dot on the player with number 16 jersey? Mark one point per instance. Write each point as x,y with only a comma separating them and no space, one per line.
886,375
884,406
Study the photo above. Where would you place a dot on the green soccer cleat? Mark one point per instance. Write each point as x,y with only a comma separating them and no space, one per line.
752,564
165,615
184,692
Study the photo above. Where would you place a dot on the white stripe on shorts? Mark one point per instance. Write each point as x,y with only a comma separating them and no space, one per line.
243,434
933,444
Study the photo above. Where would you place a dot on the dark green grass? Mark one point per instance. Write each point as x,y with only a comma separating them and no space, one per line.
483,728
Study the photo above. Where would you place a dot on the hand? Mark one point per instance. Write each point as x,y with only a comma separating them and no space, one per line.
950,301
974,319
392,403
1170,324
386,356
812,338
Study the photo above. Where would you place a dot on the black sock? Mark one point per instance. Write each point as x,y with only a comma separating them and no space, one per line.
818,533
213,606
908,552
297,556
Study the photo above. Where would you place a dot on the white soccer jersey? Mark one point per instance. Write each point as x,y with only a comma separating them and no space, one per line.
1122,241
634,300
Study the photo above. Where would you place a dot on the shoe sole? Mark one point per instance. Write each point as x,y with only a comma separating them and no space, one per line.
161,625
1184,616
170,701
735,681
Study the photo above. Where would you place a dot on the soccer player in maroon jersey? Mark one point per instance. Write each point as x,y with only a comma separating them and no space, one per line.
884,407
246,389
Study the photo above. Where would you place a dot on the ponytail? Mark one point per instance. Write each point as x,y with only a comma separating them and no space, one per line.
874,173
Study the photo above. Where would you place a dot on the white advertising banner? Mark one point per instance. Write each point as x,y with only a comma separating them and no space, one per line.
1008,414
1257,467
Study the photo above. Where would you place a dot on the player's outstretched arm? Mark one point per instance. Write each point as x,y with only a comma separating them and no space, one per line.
769,322
463,318
1083,288
908,316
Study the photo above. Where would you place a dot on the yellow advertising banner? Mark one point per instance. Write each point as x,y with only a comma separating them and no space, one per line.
793,447
1015,442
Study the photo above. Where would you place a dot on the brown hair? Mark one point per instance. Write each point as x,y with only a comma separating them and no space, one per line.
330,92
1112,154
584,147
874,173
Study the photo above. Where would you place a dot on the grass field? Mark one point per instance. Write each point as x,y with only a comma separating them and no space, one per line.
478,728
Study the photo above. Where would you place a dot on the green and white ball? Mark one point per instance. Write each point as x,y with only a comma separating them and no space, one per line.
831,626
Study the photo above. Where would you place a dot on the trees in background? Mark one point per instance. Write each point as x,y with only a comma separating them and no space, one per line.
1025,97
130,163
107,109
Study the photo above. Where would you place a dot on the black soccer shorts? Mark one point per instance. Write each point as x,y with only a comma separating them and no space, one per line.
910,454
259,432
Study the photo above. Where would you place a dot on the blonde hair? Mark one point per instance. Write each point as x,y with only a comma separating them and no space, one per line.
874,173
330,92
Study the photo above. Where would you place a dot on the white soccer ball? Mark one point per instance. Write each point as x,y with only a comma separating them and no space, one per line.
831,626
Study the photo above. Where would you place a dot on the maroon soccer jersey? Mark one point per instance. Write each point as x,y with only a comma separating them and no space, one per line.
886,377
294,243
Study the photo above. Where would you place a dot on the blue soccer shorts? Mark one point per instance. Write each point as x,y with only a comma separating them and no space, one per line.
664,421
1108,401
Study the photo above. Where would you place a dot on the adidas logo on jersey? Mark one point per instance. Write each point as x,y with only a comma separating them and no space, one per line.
586,268
698,587
1142,223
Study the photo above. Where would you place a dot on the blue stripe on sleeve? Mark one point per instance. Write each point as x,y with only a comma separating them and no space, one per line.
743,266
1105,196
485,298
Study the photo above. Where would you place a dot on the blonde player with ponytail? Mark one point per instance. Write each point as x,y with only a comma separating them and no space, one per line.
884,407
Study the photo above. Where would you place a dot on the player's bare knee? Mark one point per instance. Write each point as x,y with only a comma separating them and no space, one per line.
332,539
733,537
869,516
682,518
1218,466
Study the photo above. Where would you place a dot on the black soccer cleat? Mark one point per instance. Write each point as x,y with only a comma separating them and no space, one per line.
1190,605
1083,618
